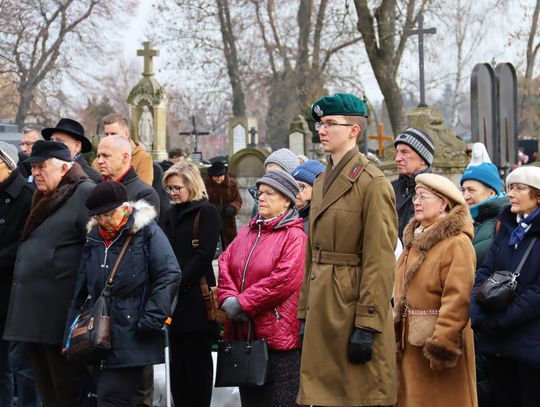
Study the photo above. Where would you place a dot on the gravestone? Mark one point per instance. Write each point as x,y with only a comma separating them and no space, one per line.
507,116
148,107
483,107
239,136
299,137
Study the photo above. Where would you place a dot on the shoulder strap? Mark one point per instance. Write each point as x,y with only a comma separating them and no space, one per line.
119,259
524,258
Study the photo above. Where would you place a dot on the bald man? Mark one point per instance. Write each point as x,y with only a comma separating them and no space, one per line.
114,162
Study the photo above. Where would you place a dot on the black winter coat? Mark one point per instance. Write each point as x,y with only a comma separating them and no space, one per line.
137,189
157,184
190,314
92,173
143,288
47,262
15,201
515,332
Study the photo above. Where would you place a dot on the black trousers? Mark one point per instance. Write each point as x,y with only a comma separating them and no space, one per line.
61,383
512,383
191,369
116,387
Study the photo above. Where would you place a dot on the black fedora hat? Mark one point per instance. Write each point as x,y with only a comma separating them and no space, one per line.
72,128
217,169
44,149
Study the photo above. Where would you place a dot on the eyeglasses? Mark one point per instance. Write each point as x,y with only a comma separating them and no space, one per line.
422,198
517,188
329,125
173,188
269,194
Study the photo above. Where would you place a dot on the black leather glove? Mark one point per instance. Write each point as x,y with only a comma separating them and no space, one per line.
301,332
361,346
230,211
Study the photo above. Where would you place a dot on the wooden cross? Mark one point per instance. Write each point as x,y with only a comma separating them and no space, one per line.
194,134
381,138
148,53
420,32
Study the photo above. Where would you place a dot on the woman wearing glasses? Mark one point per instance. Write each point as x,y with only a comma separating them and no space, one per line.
192,226
510,338
260,275
434,279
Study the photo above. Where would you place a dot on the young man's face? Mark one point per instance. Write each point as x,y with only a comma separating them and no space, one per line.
116,129
336,134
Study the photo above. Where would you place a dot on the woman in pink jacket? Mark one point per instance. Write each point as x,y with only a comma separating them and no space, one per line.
271,249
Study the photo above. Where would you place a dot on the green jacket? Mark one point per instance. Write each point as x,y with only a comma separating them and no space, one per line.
485,220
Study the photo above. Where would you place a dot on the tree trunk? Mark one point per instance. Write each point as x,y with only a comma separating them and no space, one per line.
25,98
531,49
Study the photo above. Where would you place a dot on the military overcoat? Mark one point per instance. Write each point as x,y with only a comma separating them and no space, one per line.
348,280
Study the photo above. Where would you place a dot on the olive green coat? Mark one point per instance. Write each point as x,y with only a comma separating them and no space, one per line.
350,268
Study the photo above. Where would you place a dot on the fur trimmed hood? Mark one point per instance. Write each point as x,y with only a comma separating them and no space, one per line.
143,214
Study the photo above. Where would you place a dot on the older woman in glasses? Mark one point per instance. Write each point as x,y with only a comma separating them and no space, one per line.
192,226
432,290
510,338
260,275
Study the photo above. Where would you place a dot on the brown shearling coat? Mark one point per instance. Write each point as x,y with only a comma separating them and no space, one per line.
350,267
438,265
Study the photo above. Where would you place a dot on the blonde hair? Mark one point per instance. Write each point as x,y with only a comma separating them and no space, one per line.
191,176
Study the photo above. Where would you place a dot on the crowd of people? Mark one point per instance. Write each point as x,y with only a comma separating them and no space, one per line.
349,321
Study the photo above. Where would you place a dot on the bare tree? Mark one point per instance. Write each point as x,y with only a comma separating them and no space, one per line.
532,48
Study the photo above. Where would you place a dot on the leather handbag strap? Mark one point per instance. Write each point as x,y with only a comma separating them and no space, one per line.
119,259
524,258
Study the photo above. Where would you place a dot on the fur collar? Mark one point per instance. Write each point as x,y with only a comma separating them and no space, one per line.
44,206
143,214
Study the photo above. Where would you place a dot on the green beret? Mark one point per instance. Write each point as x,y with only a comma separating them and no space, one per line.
343,104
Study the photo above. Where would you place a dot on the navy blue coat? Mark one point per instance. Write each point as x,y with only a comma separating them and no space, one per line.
515,332
143,288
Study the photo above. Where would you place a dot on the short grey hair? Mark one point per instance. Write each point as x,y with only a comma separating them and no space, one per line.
59,163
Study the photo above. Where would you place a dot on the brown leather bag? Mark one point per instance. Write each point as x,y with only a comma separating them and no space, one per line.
209,294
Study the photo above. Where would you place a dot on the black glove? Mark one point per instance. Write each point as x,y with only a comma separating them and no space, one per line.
301,332
361,346
230,211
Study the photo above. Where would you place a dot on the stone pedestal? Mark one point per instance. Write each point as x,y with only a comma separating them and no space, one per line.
450,158
239,133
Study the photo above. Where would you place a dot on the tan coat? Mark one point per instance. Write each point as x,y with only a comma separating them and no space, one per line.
350,268
438,265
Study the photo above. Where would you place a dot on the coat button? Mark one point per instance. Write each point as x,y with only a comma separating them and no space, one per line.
371,310
2,221
312,276
8,200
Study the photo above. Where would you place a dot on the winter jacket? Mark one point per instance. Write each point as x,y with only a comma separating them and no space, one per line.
513,333
273,253
190,314
224,195
137,190
143,288
15,201
438,266
48,260
164,198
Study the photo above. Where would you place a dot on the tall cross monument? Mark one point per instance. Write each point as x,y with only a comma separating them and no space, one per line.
421,31
148,53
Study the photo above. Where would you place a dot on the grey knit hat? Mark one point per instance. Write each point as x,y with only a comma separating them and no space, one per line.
9,154
419,141
282,181
285,158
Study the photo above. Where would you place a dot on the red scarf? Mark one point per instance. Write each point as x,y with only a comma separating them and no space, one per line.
109,236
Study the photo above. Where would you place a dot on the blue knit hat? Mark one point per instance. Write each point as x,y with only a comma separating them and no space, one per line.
308,171
485,173
285,158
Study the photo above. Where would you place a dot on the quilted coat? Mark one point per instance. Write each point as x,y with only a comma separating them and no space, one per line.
438,266
273,252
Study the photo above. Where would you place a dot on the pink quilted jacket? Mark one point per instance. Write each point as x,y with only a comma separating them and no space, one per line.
274,252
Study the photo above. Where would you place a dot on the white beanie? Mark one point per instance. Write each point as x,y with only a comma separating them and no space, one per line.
527,175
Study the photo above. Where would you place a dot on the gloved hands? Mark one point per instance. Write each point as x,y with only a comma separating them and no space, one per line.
301,332
234,310
230,211
361,346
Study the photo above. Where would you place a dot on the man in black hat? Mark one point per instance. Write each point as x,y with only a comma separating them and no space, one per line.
224,194
46,267
71,133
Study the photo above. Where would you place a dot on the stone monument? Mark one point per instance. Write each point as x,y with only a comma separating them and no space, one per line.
148,107
239,133
300,138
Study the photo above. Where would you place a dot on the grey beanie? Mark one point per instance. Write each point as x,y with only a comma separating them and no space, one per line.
285,158
419,141
9,154
282,181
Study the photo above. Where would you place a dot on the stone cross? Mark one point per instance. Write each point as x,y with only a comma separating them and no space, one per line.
420,32
148,53
381,138
195,134
252,133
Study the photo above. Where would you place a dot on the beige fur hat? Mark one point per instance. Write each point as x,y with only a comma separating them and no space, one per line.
442,187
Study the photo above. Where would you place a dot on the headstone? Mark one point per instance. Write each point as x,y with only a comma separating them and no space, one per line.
507,117
299,136
239,136
148,107
483,110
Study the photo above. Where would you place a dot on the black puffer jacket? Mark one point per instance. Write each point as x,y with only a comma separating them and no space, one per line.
143,288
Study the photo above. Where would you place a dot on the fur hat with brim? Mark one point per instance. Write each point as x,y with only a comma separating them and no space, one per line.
72,128
281,181
442,187
528,175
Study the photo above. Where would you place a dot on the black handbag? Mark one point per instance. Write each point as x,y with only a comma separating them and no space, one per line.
89,337
498,290
242,363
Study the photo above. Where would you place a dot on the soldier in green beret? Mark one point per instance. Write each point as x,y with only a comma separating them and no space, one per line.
348,356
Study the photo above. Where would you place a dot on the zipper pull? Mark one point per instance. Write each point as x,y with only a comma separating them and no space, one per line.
276,313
